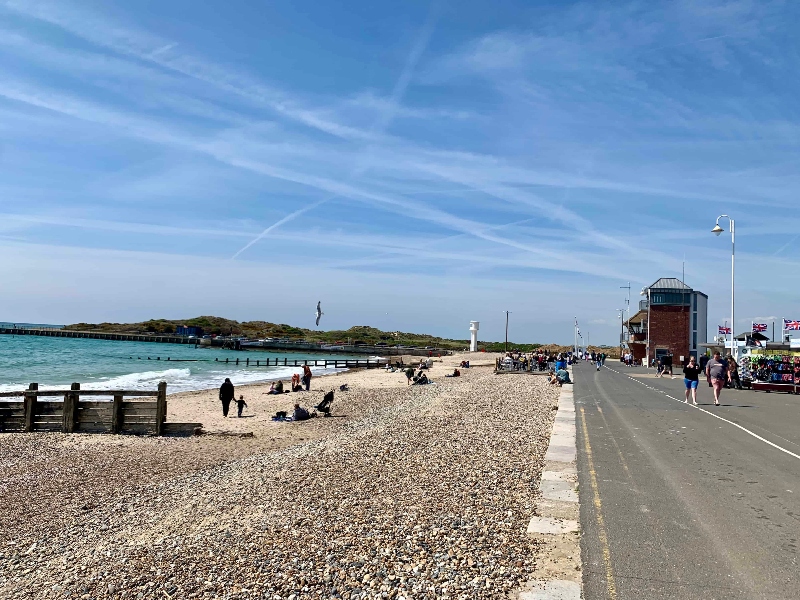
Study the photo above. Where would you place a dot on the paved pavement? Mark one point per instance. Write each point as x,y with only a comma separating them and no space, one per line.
676,503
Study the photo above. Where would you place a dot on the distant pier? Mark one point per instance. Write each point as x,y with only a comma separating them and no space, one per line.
220,342
98,335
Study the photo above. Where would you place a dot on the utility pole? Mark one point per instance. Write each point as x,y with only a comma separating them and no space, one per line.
628,299
507,313
621,315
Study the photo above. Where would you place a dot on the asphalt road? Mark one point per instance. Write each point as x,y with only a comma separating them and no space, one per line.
676,503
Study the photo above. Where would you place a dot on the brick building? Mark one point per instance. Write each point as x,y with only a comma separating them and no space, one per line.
672,319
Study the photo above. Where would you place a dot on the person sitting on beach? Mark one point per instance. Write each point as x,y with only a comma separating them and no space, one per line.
300,413
421,379
563,376
296,383
276,388
456,373
241,404
552,379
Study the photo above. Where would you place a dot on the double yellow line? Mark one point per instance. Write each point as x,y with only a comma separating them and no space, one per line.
611,586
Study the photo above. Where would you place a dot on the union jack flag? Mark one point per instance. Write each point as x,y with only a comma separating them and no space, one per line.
760,327
791,325
724,330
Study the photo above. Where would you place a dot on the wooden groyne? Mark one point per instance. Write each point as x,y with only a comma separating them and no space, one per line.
74,415
285,362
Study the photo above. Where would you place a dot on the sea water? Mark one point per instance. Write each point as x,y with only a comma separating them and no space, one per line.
55,362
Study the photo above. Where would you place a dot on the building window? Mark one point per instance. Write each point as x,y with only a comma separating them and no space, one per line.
694,322
694,304
694,341
670,298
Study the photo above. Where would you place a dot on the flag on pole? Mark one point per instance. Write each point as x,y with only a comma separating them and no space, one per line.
789,325
724,330
759,327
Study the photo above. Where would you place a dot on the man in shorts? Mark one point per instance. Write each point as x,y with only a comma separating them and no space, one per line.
717,372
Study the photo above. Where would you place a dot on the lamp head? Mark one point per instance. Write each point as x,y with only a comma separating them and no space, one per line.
717,229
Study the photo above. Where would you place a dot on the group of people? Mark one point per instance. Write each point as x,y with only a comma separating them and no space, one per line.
720,372
227,393
627,358
532,361
664,365
418,378
598,359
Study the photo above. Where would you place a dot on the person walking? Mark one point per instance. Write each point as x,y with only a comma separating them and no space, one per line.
226,394
717,372
691,378
307,377
240,405
733,373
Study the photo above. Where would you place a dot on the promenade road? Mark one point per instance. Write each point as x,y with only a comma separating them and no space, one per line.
676,503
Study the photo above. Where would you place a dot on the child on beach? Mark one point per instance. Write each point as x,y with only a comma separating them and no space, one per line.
241,404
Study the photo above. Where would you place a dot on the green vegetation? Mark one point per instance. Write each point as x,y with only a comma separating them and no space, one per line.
263,329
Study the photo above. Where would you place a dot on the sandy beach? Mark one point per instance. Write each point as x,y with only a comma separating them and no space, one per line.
408,492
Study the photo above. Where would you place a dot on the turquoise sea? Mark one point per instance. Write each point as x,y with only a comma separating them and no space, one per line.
96,364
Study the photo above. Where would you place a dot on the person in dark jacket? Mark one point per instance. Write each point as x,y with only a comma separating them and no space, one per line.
226,394
300,413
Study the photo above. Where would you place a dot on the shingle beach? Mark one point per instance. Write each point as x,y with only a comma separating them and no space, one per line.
409,492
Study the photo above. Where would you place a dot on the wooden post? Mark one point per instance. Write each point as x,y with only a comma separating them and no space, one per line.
237,362
284,361
69,413
30,407
258,363
247,362
161,407
116,414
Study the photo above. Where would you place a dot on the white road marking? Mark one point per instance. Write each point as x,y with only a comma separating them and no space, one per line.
747,431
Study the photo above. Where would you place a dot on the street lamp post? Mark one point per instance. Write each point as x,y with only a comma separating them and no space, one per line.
716,231
507,313
621,315
646,292
628,299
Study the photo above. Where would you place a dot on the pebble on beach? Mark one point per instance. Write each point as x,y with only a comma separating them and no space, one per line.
411,493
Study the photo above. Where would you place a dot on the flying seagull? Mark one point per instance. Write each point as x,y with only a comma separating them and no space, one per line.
319,312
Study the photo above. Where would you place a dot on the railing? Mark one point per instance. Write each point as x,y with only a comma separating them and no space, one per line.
73,415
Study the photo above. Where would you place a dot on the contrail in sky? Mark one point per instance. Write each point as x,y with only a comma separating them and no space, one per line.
277,224
382,122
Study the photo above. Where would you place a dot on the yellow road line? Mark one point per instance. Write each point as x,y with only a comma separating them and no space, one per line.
611,586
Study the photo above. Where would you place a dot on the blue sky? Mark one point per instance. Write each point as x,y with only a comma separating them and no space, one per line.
413,165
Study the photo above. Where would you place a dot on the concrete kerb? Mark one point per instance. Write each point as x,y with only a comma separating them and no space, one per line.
558,526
